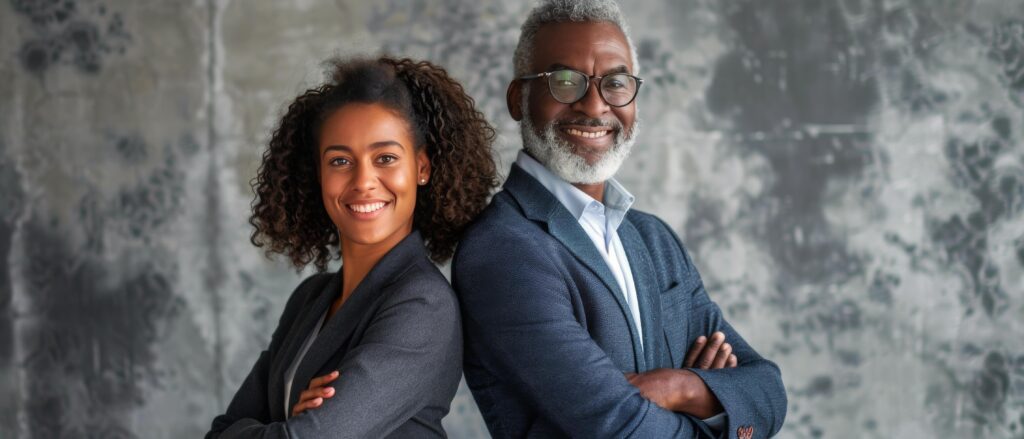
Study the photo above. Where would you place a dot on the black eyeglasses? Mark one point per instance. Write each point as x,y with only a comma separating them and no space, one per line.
569,86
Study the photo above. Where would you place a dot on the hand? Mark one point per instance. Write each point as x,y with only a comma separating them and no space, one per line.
315,394
714,355
660,386
677,390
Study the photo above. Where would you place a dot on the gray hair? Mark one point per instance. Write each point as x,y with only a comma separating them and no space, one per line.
564,11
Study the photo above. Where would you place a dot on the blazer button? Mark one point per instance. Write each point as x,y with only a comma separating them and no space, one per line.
745,432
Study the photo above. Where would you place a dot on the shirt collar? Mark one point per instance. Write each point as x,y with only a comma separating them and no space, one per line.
617,199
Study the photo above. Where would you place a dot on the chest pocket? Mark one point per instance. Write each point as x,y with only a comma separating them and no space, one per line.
675,310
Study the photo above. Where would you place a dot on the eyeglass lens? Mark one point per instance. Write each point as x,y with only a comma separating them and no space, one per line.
569,86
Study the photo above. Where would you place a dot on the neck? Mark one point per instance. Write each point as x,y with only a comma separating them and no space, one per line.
359,259
596,190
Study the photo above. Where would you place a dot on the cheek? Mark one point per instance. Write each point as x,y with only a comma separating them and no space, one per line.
402,182
626,115
543,107
332,189
542,117
331,183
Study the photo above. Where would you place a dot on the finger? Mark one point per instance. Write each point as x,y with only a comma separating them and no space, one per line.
711,350
298,408
707,356
733,361
723,356
306,395
321,380
691,356
327,392
310,404
318,392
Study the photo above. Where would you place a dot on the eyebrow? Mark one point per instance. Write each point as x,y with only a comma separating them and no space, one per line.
374,145
613,70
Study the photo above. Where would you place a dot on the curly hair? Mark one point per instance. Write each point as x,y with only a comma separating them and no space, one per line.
288,212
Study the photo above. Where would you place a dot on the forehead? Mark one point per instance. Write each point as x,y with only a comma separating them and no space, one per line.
356,124
587,46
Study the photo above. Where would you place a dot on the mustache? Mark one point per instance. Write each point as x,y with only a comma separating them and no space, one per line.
589,122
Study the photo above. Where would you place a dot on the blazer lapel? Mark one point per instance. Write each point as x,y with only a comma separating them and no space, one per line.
539,205
308,318
339,328
647,291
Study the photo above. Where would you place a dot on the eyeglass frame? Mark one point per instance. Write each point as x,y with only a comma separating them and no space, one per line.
639,83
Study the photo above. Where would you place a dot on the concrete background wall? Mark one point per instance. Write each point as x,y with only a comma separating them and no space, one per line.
848,175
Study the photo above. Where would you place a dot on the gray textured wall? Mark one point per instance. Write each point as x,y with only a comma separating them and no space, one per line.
847,173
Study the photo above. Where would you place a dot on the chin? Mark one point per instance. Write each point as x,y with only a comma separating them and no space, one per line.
367,235
567,159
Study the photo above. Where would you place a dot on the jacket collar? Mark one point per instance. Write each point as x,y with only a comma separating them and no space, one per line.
338,329
538,204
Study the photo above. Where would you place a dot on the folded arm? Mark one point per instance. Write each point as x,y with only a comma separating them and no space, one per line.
250,401
411,347
752,393
681,390
521,310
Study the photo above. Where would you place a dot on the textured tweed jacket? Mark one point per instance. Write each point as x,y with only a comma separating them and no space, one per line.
549,335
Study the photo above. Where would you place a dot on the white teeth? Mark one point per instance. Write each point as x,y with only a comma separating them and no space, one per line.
367,208
585,134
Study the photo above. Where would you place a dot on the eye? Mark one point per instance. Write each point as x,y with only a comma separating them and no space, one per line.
614,83
386,159
564,78
338,161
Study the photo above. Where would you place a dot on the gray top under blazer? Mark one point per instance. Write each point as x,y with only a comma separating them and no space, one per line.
396,341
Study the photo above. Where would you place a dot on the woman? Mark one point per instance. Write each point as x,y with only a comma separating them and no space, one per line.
385,164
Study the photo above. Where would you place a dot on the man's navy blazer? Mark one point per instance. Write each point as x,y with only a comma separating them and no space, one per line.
396,342
548,335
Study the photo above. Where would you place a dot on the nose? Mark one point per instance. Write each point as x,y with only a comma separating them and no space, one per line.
592,104
365,178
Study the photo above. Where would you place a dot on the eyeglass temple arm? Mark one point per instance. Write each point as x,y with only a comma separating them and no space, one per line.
538,75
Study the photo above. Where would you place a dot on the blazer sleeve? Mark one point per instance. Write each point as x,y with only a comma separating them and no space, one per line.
411,350
520,308
249,405
751,393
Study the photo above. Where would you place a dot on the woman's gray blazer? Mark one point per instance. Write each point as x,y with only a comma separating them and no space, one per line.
396,341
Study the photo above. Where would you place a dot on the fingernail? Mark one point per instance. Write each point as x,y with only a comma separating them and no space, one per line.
318,400
701,339
329,391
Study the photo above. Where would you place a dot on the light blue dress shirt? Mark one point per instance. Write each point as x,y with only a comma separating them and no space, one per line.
601,222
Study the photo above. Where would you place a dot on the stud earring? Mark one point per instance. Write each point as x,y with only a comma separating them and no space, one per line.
423,181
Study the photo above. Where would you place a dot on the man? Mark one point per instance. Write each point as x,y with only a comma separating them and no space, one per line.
577,310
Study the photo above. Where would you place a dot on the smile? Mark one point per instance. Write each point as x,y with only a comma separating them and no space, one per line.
367,208
586,134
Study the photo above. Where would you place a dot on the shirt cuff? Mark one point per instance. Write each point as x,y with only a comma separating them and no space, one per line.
717,422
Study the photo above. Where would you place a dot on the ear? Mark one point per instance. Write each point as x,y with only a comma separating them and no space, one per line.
514,99
422,167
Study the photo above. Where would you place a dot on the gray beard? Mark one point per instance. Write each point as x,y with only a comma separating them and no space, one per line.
557,155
